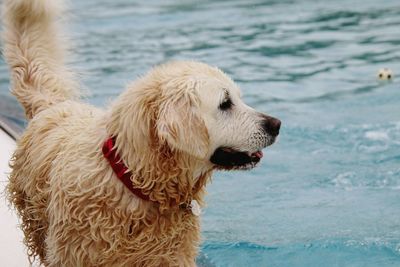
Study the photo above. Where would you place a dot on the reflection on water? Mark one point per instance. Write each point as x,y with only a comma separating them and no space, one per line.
329,191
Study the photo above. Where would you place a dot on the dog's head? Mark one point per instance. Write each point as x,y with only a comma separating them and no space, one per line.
181,121
202,114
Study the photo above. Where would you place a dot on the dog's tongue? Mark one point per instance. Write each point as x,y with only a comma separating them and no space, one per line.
258,154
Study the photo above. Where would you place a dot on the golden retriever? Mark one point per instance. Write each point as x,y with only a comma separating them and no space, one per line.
121,186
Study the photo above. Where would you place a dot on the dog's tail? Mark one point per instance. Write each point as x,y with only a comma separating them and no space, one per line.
35,54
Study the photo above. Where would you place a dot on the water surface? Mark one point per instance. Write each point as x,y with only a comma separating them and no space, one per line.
328,193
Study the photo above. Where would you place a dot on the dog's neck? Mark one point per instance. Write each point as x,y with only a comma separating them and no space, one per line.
173,193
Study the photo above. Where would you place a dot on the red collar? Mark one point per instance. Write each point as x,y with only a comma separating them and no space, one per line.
110,153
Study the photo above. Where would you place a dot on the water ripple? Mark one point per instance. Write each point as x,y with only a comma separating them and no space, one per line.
334,172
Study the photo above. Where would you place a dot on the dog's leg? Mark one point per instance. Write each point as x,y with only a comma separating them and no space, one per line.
35,54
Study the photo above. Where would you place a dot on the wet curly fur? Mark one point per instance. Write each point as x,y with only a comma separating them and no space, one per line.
73,209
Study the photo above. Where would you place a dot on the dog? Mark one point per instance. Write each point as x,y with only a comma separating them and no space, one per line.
121,186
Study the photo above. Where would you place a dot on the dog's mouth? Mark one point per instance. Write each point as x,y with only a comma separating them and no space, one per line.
226,158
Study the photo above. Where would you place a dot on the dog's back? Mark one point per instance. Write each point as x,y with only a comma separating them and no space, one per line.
50,140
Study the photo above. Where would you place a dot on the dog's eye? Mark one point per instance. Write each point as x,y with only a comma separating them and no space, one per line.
227,104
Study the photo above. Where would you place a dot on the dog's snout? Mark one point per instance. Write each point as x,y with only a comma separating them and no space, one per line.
271,125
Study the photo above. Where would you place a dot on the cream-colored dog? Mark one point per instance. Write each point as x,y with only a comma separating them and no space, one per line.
118,187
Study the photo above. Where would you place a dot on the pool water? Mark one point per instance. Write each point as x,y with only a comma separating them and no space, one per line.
328,193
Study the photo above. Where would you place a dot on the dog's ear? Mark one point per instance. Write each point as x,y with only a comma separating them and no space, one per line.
180,125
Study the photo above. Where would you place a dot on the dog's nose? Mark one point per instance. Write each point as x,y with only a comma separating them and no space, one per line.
271,125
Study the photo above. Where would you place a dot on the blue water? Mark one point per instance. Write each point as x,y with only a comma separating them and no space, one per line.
328,193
